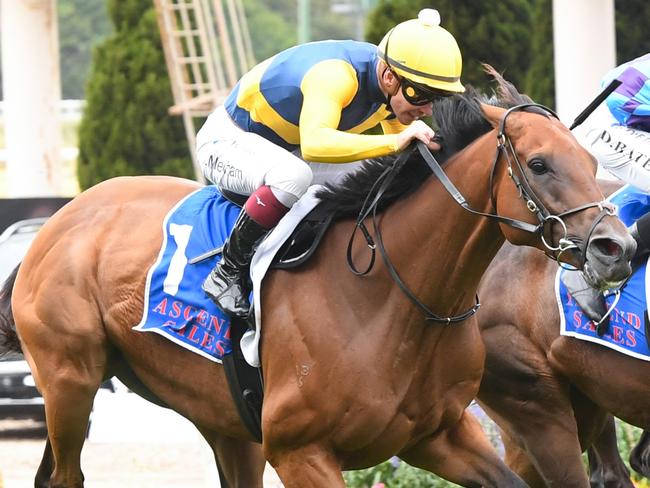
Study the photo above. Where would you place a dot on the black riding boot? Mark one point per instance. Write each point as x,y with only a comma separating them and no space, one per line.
640,230
228,285
591,301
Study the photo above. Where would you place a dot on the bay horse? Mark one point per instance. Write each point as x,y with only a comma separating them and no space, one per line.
356,368
551,394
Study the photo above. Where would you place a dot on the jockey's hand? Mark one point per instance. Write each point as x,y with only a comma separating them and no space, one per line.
418,130
434,144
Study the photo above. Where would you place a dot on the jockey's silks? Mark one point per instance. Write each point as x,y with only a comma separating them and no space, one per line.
320,97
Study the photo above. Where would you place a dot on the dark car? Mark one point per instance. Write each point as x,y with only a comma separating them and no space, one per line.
19,397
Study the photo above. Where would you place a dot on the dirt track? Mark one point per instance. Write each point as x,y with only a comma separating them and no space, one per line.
110,465
157,464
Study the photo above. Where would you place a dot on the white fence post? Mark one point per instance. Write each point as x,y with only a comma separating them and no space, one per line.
32,91
584,40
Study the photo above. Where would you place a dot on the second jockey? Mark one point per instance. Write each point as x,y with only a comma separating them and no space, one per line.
622,147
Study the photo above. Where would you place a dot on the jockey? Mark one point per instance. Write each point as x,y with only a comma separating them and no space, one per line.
298,118
622,148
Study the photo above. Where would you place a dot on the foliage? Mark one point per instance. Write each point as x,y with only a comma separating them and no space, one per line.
82,24
325,22
125,129
539,82
273,24
628,436
632,38
394,474
270,31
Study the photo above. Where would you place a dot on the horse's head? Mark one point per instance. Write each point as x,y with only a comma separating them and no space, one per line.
548,179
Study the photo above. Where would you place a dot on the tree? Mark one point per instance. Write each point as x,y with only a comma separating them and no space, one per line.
632,39
270,31
540,76
125,129
273,24
82,24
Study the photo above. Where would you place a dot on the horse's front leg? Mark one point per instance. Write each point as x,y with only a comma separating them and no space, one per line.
640,455
310,466
240,463
519,461
46,467
463,455
606,468
521,392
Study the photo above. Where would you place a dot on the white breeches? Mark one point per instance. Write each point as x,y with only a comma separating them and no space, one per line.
622,151
241,162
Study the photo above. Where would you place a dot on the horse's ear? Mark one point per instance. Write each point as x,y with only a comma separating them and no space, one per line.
492,114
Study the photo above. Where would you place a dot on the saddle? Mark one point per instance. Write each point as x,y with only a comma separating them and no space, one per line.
244,380
303,241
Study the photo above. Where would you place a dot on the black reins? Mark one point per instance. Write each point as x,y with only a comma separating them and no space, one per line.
378,189
534,205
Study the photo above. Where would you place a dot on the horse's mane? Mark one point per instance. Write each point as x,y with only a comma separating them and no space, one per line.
459,122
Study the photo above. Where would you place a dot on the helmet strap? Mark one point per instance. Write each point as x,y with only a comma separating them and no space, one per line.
389,96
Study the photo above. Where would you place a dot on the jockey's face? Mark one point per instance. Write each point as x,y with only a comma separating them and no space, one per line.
407,112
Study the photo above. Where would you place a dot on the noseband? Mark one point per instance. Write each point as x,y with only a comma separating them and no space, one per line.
533,203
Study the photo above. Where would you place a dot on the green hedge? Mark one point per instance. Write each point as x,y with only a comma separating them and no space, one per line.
125,129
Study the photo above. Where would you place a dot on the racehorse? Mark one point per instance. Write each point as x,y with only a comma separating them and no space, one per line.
551,394
356,368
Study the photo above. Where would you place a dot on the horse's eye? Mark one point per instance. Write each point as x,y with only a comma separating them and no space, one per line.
537,166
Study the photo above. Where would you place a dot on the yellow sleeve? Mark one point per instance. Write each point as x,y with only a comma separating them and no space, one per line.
327,89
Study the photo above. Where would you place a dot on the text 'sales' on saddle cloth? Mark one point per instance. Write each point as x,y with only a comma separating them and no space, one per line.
627,331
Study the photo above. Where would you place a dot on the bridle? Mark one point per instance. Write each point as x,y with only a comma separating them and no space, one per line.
506,149
534,204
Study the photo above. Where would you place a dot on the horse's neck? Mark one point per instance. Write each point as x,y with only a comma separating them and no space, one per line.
452,246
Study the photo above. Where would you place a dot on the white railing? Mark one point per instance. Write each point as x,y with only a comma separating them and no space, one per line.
70,110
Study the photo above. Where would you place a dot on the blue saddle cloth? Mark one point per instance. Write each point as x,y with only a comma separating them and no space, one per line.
174,304
627,333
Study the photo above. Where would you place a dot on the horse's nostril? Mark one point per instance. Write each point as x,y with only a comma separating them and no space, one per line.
609,247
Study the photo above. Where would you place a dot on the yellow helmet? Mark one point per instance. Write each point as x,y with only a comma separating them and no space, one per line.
423,52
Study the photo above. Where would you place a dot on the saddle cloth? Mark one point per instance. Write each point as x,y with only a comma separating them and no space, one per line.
175,306
628,321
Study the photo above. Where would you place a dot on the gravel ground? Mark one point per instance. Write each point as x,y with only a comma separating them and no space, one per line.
134,454
111,465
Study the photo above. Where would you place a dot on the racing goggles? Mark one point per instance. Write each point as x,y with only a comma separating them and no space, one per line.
418,94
